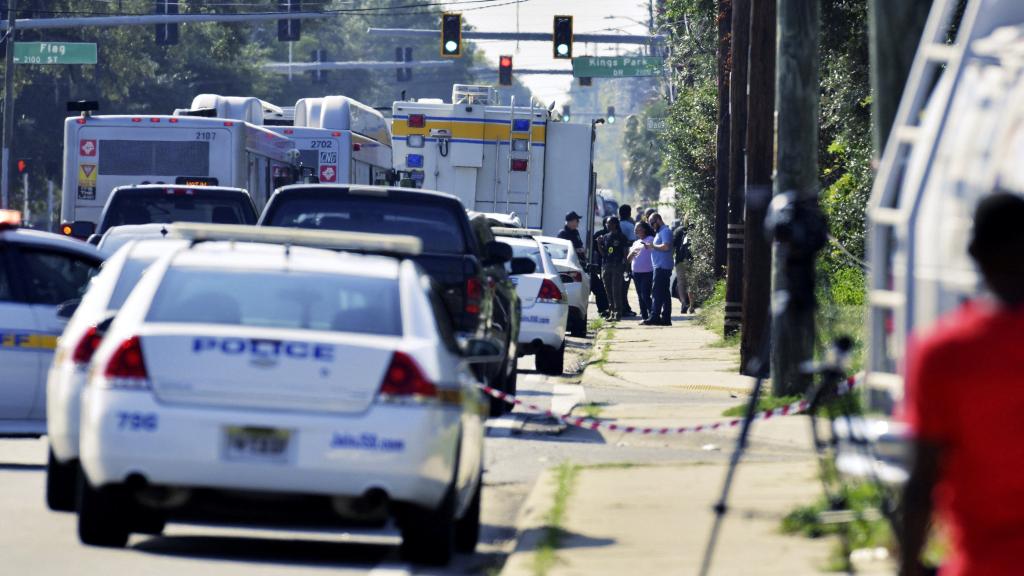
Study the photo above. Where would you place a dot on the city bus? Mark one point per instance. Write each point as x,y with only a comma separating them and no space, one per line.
339,140
103,152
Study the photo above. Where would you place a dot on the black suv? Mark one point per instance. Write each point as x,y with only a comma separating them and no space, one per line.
471,274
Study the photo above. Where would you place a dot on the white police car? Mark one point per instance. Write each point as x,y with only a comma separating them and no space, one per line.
255,383
68,372
39,272
575,279
545,306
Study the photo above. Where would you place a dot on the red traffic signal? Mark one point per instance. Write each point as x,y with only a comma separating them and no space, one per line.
22,166
505,70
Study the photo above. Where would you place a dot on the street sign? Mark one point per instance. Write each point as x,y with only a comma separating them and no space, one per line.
656,124
616,66
54,52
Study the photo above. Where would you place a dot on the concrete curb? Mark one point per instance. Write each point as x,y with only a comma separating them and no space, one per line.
530,525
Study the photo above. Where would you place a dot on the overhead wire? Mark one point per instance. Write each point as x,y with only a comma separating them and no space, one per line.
383,10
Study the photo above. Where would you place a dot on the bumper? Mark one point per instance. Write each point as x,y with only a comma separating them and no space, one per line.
409,452
64,385
542,323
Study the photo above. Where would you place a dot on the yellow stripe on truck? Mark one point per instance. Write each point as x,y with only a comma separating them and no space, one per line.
488,131
20,340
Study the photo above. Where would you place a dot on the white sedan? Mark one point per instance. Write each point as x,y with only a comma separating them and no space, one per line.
545,305
68,372
575,279
255,383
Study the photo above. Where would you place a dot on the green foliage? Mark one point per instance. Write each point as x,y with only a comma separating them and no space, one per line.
763,403
643,153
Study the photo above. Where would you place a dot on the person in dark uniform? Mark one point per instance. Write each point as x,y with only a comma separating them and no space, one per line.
614,247
571,233
596,284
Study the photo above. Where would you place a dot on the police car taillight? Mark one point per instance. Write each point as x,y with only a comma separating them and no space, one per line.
126,367
404,380
549,292
10,219
474,292
87,346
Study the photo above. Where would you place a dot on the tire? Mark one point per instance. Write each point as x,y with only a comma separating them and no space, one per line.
551,361
61,483
428,536
507,384
467,528
578,327
103,515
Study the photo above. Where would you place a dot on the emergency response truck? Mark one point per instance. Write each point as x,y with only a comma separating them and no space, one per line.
339,139
104,152
497,158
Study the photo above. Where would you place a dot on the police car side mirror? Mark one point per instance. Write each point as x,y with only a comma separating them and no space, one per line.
67,309
523,266
480,350
497,252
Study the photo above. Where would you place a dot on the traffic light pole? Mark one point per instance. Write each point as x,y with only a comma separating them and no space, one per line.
8,138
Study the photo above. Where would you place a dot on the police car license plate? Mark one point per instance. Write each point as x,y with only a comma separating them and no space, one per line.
253,444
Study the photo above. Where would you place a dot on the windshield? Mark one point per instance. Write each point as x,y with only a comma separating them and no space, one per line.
557,251
531,252
308,301
437,226
165,206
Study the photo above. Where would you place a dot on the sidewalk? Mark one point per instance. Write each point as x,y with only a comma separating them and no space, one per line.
642,518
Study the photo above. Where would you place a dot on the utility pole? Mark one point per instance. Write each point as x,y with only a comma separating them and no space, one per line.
737,164
722,152
797,100
757,248
895,29
8,136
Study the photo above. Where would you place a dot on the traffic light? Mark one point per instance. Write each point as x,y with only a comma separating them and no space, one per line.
505,70
318,76
563,37
586,81
22,166
166,34
403,74
289,30
610,117
451,35
565,113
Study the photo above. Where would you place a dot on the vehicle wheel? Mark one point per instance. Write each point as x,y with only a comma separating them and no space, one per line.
147,521
428,536
61,483
551,361
578,327
102,518
467,528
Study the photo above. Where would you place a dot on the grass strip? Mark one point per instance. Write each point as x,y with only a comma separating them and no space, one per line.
764,403
546,554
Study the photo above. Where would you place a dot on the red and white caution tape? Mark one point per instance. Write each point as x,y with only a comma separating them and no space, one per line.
594,424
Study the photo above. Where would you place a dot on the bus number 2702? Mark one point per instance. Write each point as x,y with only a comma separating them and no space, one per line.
323,144
207,136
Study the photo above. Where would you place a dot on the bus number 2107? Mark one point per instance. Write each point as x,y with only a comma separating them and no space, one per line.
207,136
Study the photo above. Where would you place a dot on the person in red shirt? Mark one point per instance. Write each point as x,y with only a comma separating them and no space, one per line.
965,408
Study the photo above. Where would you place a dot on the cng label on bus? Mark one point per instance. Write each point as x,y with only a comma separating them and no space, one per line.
87,181
88,147
328,173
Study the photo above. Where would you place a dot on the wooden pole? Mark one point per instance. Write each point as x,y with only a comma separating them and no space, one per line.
757,249
722,155
737,164
896,29
797,98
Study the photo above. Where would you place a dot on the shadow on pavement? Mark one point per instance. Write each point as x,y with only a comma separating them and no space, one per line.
269,551
569,539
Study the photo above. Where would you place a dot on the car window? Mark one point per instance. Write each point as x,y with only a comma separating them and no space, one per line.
6,284
310,301
557,251
55,277
130,275
158,206
436,225
531,252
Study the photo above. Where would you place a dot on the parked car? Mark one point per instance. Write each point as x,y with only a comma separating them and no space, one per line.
451,252
544,302
575,279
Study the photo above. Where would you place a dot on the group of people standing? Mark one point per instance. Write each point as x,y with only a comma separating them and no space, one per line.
644,253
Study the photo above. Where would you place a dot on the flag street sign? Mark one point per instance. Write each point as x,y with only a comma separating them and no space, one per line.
54,52
616,66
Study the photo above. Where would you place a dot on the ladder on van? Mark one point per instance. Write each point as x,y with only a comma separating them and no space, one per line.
896,195
529,160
